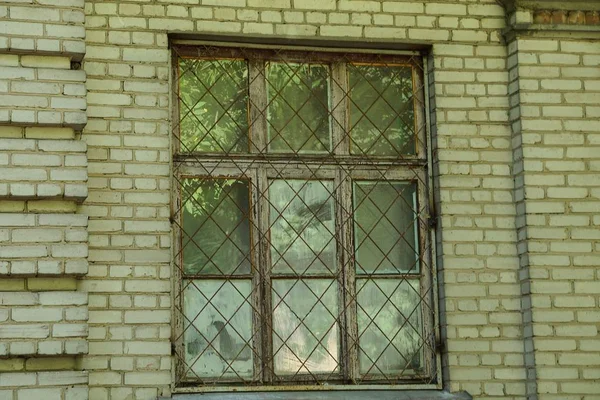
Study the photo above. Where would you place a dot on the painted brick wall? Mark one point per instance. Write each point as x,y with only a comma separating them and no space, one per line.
556,92
127,64
43,177
515,129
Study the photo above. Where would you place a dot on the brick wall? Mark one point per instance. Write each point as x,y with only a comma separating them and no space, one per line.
556,92
128,135
43,178
515,127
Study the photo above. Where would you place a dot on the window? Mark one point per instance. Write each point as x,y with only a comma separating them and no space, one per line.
304,251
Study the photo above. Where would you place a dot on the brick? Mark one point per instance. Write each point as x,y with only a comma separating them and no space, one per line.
156,316
315,4
62,378
51,206
37,235
52,284
11,365
445,9
36,314
145,378
148,348
32,331
46,61
62,298
50,364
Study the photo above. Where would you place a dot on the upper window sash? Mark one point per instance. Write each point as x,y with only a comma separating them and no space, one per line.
353,99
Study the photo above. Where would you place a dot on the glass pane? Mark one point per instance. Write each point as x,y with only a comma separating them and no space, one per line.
305,336
218,328
216,228
385,227
302,226
382,120
388,326
213,105
298,115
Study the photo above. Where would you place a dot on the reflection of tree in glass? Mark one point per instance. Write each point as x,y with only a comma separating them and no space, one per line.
381,110
385,235
388,325
216,229
302,226
213,106
298,112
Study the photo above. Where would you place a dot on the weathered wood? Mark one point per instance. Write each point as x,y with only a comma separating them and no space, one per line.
257,105
329,395
265,277
260,167
339,110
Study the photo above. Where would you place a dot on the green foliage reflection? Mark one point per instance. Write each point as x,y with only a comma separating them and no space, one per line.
216,229
298,111
381,110
214,105
385,234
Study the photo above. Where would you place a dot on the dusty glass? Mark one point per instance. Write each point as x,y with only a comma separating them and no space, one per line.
305,329
302,226
388,326
218,338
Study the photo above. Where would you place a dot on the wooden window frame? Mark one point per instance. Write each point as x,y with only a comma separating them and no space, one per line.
264,168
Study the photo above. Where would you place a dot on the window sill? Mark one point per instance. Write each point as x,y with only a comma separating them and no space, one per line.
327,395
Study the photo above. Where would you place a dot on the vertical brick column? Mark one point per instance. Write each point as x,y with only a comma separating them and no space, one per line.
43,180
556,130
477,255
519,171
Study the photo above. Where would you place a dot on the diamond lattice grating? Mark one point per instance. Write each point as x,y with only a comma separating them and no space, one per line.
302,218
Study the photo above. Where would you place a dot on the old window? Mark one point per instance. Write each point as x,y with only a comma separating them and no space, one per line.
302,211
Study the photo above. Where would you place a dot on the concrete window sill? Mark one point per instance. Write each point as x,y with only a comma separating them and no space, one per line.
327,395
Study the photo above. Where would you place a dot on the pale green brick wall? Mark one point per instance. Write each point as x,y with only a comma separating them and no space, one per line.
515,130
557,126
43,177
128,135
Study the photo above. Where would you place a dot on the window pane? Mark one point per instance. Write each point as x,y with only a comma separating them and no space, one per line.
382,120
302,226
388,326
218,328
305,337
298,114
216,228
385,227
213,105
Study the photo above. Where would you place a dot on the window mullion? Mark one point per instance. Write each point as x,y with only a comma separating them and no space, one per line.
178,303
350,329
257,106
339,109
257,292
175,111
264,269
258,140
426,282
419,108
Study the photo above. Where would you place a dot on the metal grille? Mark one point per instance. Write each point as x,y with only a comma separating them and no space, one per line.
302,214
